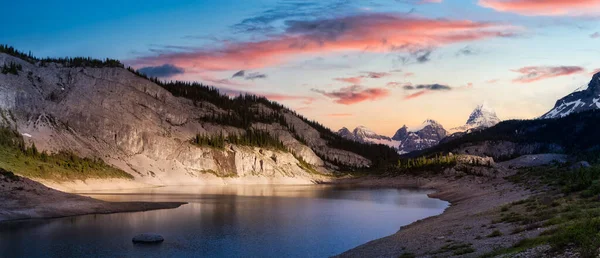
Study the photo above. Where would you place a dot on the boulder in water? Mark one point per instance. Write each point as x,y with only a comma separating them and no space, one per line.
148,238
581,164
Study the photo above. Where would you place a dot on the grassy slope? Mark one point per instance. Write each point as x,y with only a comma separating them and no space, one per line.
566,208
28,162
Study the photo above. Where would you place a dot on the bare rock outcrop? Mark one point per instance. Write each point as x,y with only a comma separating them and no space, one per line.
143,129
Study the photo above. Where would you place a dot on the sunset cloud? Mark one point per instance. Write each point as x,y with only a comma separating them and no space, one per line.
249,76
375,75
163,71
544,7
423,89
428,87
416,95
537,73
351,80
373,32
358,79
355,94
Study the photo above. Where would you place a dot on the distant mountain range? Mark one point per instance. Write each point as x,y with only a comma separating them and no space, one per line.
587,98
427,135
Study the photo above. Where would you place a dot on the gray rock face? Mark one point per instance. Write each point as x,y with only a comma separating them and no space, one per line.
344,132
143,129
428,136
402,133
586,99
147,238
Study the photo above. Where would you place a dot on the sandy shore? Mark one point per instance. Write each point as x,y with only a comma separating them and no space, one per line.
22,198
467,223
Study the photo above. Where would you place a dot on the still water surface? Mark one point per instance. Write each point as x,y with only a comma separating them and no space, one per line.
229,221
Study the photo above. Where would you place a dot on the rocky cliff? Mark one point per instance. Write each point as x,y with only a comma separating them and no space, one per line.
143,129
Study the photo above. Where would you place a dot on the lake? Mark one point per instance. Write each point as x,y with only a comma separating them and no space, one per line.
227,221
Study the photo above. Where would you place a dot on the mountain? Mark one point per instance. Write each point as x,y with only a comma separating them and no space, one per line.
582,100
167,133
404,140
429,134
363,134
347,134
482,117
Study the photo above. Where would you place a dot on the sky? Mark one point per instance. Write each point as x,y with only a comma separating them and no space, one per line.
344,63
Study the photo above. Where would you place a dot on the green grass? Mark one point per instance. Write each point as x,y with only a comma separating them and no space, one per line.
495,233
518,247
28,162
567,205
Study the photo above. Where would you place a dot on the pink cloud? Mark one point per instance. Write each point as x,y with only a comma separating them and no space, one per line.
595,71
355,94
537,73
544,7
416,94
351,80
375,75
373,32
595,35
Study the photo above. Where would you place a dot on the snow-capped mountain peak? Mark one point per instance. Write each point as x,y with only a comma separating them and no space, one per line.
483,116
364,132
585,98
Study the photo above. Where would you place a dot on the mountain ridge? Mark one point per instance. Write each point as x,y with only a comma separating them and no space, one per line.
145,127
426,135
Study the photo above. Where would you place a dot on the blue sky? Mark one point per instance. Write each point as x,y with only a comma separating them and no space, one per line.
341,62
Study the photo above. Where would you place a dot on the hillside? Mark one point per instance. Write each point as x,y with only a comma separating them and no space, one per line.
574,134
146,128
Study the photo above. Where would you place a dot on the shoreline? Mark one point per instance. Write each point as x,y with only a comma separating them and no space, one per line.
473,202
462,229
25,199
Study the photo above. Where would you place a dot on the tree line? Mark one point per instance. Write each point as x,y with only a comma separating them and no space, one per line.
254,138
11,68
66,61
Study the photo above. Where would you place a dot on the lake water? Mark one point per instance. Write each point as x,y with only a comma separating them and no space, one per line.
229,221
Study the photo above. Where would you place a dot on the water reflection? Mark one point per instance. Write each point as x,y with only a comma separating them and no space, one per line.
230,221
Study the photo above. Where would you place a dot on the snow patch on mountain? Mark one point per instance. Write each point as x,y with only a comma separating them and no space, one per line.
405,140
482,117
584,98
